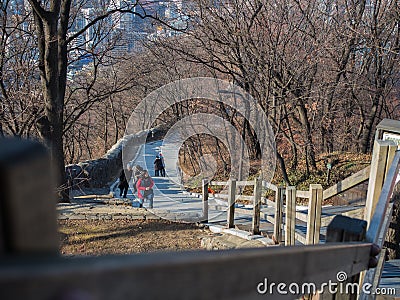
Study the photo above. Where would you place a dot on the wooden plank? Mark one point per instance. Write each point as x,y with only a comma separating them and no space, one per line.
244,211
244,183
387,125
355,213
269,218
314,214
278,221
303,194
391,153
268,202
231,203
255,228
238,197
378,270
376,179
205,200
27,198
222,196
223,183
290,216
345,229
183,275
249,212
244,197
337,209
347,183
372,276
299,236
377,221
269,185
302,216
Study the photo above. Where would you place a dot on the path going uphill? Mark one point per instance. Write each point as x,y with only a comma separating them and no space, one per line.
171,201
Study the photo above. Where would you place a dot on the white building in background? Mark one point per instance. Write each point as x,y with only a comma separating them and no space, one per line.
88,14
121,21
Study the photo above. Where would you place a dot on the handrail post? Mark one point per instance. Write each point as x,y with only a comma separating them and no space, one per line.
343,229
257,206
314,214
231,203
278,213
28,216
290,216
382,158
205,200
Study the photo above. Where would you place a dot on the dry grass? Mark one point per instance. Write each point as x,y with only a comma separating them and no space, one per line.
83,237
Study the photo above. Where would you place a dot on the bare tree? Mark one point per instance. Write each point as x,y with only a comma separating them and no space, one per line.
52,19
19,80
317,68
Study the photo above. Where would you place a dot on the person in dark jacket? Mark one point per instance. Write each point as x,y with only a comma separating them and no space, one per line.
158,165
145,189
124,178
162,170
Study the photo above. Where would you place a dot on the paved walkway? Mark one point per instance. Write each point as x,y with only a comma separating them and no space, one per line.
99,205
170,202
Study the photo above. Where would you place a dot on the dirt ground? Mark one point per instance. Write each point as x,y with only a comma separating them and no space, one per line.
83,237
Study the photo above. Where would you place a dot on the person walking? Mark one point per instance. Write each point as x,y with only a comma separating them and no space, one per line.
162,170
157,166
137,174
145,189
124,178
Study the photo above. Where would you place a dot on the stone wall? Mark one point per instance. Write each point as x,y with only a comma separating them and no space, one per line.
102,172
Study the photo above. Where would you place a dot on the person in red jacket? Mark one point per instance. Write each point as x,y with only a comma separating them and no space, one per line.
145,189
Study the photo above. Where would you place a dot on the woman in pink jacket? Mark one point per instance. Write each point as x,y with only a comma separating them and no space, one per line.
145,189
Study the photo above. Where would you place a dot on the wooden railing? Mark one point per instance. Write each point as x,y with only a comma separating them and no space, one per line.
28,228
380,219
285,216
347,183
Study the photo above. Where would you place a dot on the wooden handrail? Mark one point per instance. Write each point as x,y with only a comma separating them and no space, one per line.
347,183
380,219
183,275
383,202
303,194
219,183
270,186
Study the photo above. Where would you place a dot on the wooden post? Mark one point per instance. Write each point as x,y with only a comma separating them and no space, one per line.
382,157
278,214
257,206
314,214
231,203
205,200
391,153
27,199
290,216
345,229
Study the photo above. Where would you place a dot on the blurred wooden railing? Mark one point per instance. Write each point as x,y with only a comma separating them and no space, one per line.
30,267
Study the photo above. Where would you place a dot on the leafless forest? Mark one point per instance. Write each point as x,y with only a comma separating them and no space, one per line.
325,72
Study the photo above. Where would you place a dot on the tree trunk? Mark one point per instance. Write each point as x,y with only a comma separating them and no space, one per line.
283,168
309,147
366,135
53,68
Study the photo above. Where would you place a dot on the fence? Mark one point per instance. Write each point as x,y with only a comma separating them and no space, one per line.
285,216
28,228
